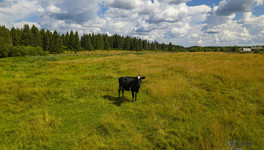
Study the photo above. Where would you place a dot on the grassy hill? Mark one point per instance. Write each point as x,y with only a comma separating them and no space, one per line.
187,101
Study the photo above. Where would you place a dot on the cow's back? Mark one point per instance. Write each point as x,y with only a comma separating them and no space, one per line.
125,82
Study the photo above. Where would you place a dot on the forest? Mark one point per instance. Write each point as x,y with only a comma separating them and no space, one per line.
32,41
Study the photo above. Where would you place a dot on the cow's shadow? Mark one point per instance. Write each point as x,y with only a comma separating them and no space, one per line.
116,100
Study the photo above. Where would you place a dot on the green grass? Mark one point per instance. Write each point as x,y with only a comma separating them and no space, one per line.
187,101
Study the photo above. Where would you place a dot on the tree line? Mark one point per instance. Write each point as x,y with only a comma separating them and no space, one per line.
32,41
20,42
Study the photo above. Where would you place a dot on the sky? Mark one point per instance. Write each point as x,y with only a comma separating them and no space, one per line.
182,22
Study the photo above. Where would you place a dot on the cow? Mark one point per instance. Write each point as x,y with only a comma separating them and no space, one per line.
130,83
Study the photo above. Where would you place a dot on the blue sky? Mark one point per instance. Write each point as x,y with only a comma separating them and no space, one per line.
205,2
182,22
259,10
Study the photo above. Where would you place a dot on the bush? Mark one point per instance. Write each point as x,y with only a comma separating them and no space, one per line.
257,51
15,51
23,50
4,50
32,51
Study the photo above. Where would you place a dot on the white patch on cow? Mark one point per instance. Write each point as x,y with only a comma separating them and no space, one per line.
138,77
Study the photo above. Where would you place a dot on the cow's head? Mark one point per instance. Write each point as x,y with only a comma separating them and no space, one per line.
139,77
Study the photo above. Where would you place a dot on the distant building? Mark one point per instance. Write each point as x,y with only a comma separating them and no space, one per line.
256,47
245,49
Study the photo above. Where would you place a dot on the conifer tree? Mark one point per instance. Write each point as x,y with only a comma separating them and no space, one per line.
100,42
110,40
153,46
77,45
145,45
106,42
140,45
56,44
115,43
157,45
15,35
47,39
42,33
26,35
90,45
94,41
71,41
170,46
35,36
136,46
120,42
86,42
5,41
132,41
66,40
163,46
62,38
127,43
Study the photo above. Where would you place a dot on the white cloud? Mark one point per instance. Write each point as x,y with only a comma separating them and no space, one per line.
225,30
154,21
16,11
70,11
252,23
229,7
200,42
123,4
198,13
170,13
53,9
22,23
181,31
161,20
7,3
173,1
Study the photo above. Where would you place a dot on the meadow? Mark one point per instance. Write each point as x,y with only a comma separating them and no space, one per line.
201,100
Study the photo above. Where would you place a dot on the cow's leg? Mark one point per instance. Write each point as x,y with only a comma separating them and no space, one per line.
123,92
132,96
119,91
135,96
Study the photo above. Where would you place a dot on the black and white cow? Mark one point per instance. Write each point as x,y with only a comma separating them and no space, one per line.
130,83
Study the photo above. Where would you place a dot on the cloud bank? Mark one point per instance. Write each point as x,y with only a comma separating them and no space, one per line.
161,20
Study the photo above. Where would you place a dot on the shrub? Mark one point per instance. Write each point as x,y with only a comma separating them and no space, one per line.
4,50
257,51
23,50
14,51
32,51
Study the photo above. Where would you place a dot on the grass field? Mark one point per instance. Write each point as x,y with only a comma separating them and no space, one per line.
187,101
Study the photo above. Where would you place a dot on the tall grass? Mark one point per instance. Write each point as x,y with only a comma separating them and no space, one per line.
187,101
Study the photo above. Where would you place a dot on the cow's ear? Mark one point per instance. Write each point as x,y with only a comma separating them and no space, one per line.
143,77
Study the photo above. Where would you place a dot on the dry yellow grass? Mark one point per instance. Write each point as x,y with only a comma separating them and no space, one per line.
187,101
